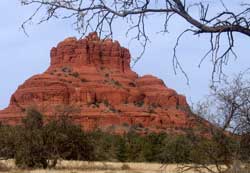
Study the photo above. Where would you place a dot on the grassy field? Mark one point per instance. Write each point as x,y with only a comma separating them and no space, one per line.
96,167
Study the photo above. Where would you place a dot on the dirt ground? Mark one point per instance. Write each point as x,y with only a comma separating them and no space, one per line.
97,167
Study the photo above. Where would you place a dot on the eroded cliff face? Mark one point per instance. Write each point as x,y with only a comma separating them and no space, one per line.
94,76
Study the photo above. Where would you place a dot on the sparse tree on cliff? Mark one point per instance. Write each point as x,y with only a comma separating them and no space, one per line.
101,15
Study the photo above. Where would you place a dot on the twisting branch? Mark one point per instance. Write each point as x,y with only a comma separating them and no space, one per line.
100,15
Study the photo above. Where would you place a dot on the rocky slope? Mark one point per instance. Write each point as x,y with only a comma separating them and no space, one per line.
94,77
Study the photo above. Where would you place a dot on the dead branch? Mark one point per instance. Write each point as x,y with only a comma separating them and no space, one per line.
100,15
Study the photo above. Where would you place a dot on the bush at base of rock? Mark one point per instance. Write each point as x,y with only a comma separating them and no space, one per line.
35,144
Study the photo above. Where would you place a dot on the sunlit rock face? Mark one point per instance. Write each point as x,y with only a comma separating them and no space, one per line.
94,76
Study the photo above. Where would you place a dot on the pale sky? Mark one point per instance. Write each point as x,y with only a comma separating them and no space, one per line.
22,56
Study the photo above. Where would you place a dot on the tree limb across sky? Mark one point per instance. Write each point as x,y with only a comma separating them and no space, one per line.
100,16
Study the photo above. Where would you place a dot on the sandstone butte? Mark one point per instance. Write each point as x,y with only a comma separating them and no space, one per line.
94,76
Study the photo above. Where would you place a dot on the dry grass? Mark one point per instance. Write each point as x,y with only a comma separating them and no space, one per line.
4,168
97,167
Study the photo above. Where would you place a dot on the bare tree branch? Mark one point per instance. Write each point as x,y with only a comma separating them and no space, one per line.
100,15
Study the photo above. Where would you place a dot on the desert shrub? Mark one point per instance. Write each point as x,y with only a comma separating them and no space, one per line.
105,145
30,151
139,103
33,120
67,141
7,141
245,148
40,146
219,149
134,145
121,151
153,148
116,83
96,104
175,150
151,109
125,167
75,74
106,103
84,80
125,124
106,75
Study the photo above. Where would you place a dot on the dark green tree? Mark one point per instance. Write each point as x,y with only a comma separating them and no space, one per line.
30,150
8,135
121,153
65,140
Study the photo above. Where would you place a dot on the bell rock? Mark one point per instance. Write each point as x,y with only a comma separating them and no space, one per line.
94,76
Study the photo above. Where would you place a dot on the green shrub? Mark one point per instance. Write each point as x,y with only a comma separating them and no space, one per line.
139,103
40,146
75,74
121,152
105,145
106,103
151,110
106,75
30,151
7,141
84,80
65,140
116,83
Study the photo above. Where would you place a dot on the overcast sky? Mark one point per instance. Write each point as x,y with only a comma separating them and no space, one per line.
22,56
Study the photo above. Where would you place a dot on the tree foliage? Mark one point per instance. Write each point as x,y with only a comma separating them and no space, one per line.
34,144
29,148
7,143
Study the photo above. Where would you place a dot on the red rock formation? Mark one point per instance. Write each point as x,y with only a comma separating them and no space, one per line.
94,75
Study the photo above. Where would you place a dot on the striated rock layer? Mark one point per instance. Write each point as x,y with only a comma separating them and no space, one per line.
94,76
